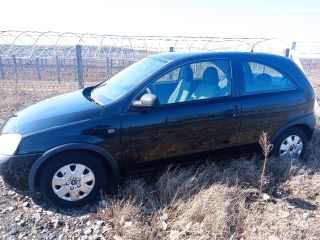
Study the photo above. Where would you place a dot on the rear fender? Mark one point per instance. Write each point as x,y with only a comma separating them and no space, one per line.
308,121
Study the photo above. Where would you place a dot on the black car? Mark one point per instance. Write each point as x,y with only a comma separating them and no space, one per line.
69,147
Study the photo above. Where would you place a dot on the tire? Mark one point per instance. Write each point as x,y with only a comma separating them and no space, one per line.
295,140
72,179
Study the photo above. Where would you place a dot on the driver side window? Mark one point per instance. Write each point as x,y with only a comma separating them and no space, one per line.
201,80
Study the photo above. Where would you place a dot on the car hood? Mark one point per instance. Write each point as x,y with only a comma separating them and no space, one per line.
52,112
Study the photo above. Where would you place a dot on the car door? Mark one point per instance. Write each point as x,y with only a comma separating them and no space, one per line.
189,125
268,99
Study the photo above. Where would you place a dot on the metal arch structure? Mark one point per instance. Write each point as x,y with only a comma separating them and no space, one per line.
32,44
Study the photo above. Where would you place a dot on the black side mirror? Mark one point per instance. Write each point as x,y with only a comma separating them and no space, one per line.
147,100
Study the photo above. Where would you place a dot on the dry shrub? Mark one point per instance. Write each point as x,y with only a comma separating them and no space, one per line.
242,172
179,183
266,149
217,211
122,217
304,186
194,202
173,185
277,221
312,156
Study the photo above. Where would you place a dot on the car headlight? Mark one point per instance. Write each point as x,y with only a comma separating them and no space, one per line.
9,143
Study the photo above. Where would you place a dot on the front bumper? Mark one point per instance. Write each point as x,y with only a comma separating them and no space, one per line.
15,170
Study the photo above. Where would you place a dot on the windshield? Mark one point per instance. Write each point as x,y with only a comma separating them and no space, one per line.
126,80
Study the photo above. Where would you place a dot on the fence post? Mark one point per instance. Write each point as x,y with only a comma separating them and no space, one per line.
42,66
1,69
38,68
21,64
75,69
14,60
111,67
108,68
58,68
293,47
79,66
287,52
171,73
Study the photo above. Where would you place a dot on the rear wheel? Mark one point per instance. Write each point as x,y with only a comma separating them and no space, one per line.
72,179
291,144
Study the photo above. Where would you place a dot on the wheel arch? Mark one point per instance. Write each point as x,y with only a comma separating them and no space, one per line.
305,129
108,161
306,124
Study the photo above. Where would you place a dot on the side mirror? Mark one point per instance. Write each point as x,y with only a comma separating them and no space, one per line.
147,100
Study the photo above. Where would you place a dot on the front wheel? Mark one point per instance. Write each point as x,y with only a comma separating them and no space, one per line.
291,144
72,179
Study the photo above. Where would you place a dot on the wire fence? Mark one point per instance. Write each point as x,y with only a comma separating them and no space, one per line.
64,57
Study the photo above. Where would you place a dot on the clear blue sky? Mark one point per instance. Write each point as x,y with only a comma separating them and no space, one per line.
286,19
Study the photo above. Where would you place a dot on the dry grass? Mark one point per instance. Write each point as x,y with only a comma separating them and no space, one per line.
207,200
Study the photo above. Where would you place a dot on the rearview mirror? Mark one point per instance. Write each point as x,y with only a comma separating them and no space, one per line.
147,100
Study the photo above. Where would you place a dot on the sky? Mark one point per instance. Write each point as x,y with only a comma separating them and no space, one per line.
290,20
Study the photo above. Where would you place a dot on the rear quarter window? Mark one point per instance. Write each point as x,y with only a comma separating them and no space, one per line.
261,78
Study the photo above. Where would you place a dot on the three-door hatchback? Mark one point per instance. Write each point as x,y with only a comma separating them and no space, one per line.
165,106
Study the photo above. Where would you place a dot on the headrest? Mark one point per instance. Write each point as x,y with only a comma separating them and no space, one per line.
186,73
210,76
263,78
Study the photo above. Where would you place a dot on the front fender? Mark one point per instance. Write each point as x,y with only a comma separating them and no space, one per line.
71,146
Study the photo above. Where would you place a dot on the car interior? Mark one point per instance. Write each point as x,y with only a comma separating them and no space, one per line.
212,81
185,86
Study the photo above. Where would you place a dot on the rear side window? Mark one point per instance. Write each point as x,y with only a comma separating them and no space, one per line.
260,78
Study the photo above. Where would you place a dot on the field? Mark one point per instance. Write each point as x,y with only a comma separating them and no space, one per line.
207,200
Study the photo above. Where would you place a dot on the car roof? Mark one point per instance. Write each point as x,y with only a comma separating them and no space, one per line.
180,56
